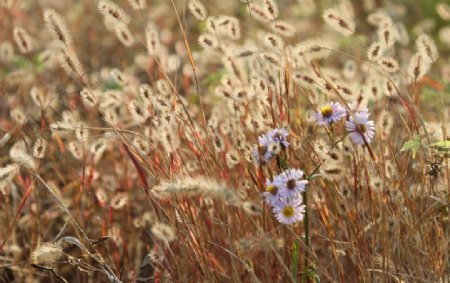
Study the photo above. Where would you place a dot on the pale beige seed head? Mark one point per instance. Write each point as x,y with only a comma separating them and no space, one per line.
270,9
427,47
375,51
39,148
46,255
6,51
198,10
109,9
138,4
340,21
57,27
23,40
124,35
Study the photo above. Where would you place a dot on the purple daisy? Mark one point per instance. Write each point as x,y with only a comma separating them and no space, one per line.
331,112
260,154
292,184
267,144
360,127
278,135
272,193
289,211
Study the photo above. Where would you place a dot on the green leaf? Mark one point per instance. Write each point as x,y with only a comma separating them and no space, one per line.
412,145
442,146
111,85
214,78
313,176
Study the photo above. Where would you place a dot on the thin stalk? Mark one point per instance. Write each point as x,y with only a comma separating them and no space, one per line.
307,240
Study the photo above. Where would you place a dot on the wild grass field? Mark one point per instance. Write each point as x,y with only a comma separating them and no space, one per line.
224,141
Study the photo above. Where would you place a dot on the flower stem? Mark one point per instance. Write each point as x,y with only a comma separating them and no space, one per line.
307,241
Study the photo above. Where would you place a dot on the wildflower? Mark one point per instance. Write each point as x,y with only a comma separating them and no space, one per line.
361,129
276,135
289,211
331,112
274,148
291,183
272,193
269,144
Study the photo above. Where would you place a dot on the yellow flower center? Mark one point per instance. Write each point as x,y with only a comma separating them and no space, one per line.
288,211
272,189
361,128
326,111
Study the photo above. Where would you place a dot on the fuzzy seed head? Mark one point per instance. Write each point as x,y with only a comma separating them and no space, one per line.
198,10
339,21
427,47
57,27
23,40
109,9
